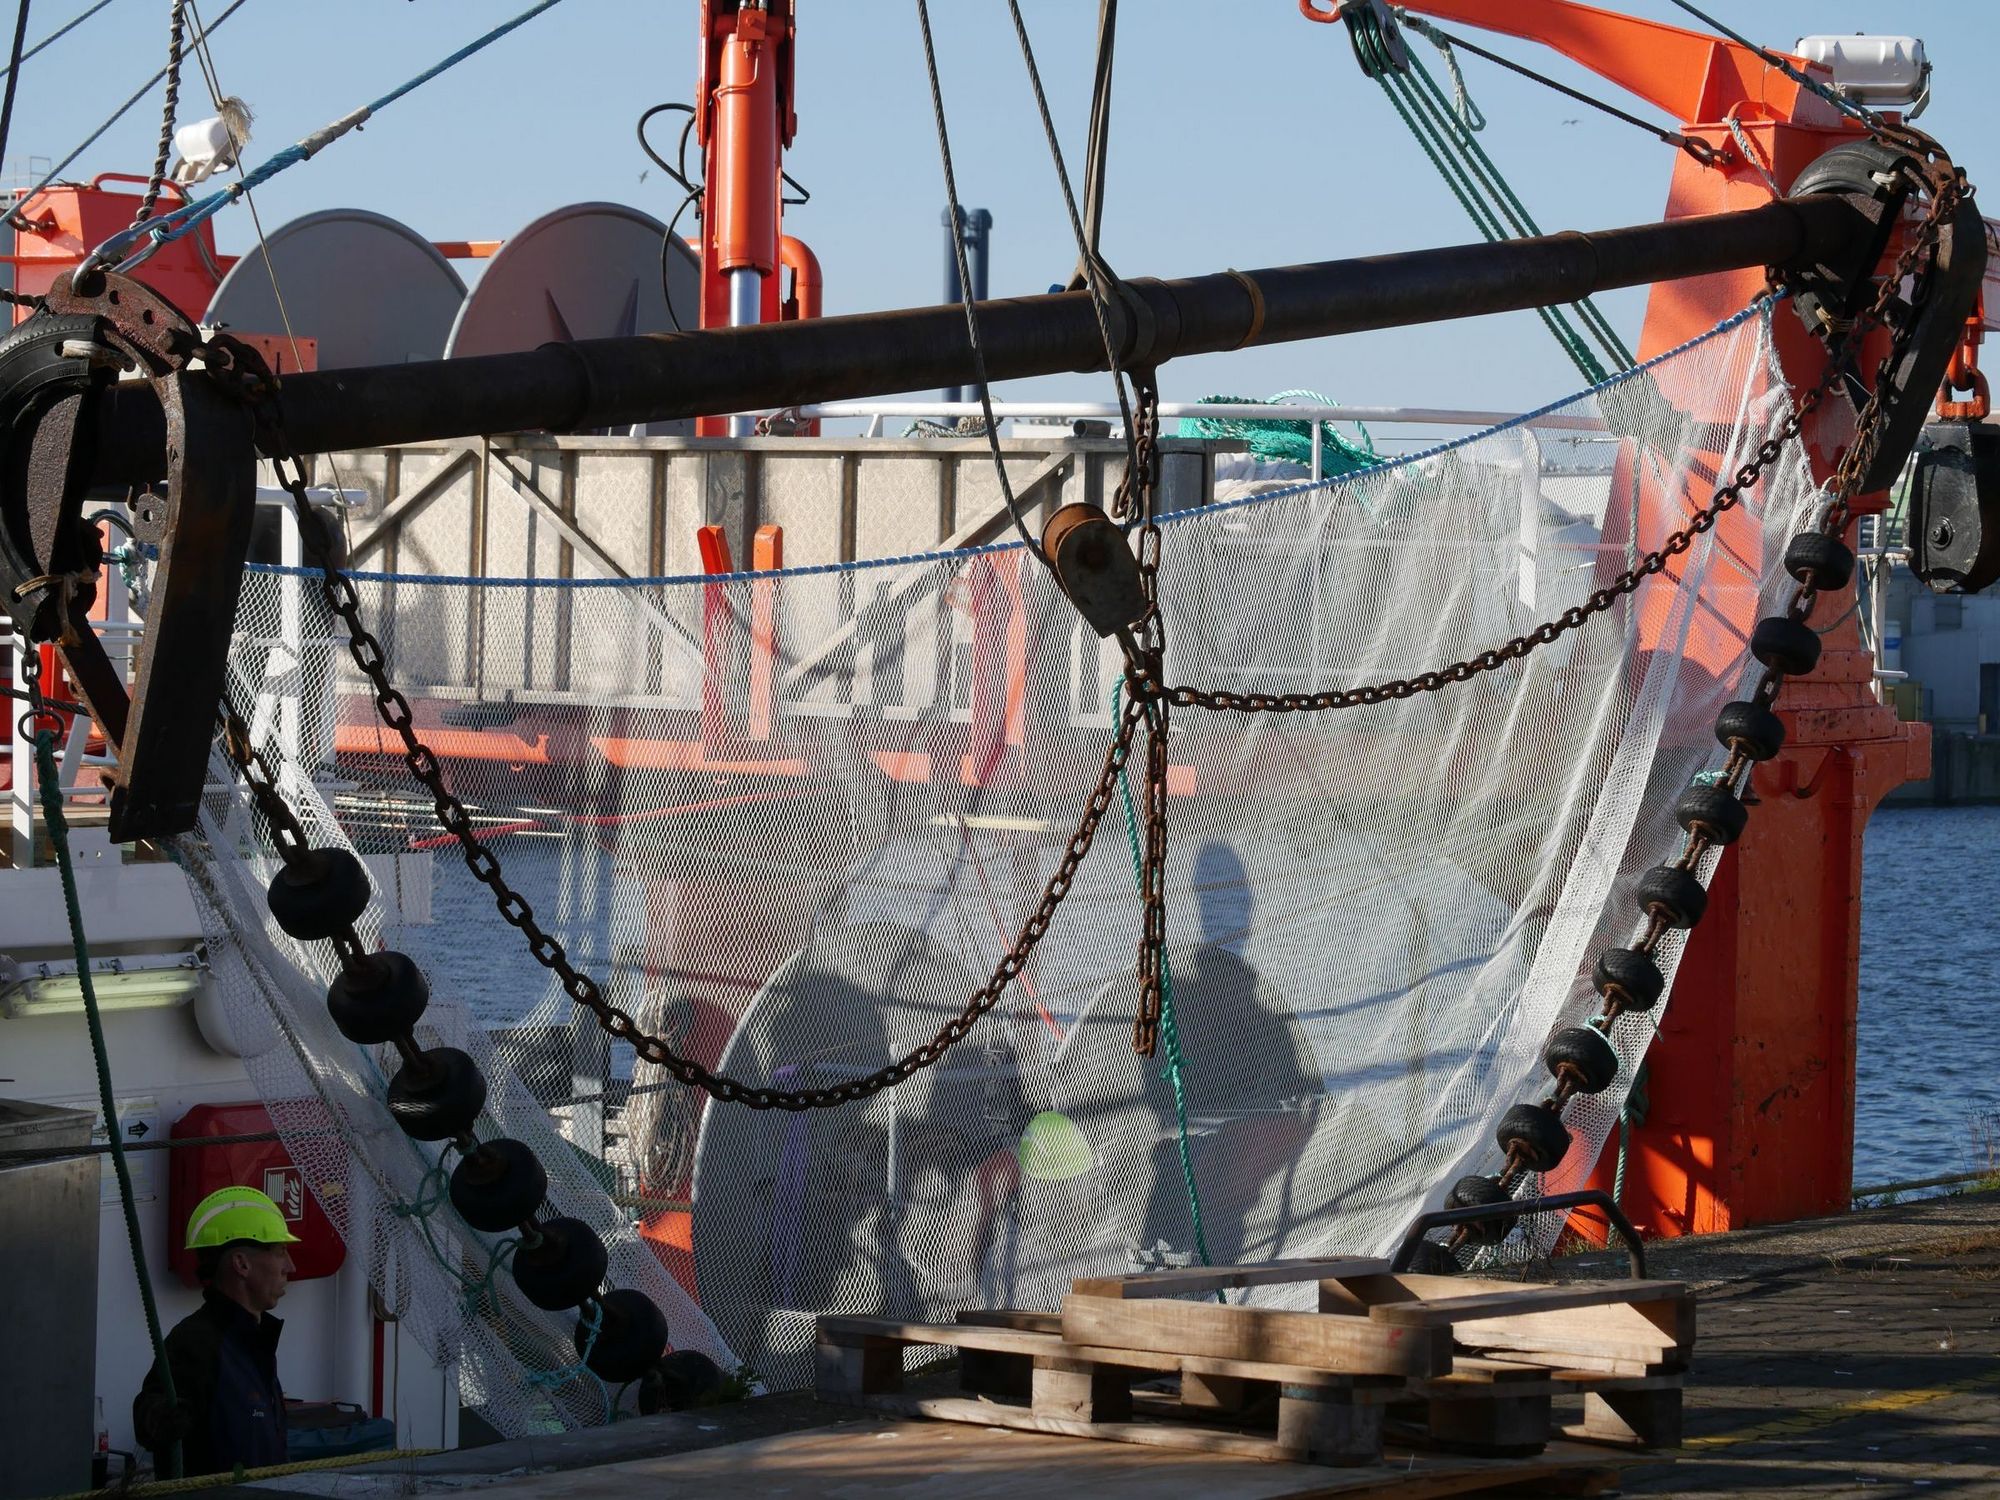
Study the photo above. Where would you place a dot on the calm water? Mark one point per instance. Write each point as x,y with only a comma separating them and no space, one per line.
1928,1085
1929,1067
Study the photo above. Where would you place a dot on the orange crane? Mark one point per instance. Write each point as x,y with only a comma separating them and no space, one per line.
1751,1111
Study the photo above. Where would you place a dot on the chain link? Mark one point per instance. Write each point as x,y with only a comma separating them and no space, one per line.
514,908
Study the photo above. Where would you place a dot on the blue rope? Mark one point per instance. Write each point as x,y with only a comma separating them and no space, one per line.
913,559
1170,1032
171,226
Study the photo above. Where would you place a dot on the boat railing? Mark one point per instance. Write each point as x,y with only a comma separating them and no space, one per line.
876,414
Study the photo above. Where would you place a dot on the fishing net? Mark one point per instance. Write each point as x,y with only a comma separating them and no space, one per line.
792,820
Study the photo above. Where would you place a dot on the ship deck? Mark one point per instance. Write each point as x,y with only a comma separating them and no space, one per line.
1845,1356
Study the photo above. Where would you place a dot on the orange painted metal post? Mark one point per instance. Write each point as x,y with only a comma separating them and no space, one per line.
767,555
716,634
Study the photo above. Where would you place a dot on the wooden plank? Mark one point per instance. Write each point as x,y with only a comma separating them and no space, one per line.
1009,1317
1319,1426
857,1368
1433,1310
1081,1391
1197,1281
1013,1343
1019,1462
1639,1419
1600,1319
1351,1346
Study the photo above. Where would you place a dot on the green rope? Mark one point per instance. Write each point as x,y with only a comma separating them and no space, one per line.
1286,439
52,811
1481,189
1508,201
1170,1032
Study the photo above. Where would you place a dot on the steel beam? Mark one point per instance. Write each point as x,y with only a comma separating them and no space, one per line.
613,382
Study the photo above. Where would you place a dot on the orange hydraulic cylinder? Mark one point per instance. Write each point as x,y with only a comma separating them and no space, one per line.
745,225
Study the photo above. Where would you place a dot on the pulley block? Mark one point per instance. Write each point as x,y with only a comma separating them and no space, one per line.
1876,178
498,1184
631,1334
563,1267
1095,567
1954,520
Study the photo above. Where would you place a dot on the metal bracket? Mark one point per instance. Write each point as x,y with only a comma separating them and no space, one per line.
52,370
1446,1218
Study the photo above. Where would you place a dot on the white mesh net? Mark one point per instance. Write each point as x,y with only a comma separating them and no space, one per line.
791,822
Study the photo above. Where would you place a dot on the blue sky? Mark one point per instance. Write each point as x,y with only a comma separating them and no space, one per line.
1243,136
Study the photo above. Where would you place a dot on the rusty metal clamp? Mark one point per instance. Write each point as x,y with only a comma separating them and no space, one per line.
52,369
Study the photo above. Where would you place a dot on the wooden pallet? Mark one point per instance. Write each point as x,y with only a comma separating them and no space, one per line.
1446,1363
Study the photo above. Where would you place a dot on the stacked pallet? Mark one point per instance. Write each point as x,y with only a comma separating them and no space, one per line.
1451,1364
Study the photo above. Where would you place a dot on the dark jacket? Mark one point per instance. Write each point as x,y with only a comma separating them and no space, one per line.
225,1365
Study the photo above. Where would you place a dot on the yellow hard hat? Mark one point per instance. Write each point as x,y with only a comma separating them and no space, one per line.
229,1215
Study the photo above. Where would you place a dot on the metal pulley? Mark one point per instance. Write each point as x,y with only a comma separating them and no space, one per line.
1095,567
1954,519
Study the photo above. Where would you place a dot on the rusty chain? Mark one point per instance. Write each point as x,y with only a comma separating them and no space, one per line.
1149,701
394,709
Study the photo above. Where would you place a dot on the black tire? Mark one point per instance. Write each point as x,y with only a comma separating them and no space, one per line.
1481,1192
1785,645
631,1336
1673,895
564,1268
439,1098
498,1185
1751,728
1712,811
1535,1135
1629,976
378,1000
1584,1054
1823,562
325,892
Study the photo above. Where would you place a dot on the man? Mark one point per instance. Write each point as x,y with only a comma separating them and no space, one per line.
227,1409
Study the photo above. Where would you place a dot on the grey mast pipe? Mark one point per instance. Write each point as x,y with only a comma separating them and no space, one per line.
612,382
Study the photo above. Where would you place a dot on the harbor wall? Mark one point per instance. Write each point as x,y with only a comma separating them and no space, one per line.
1965,768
